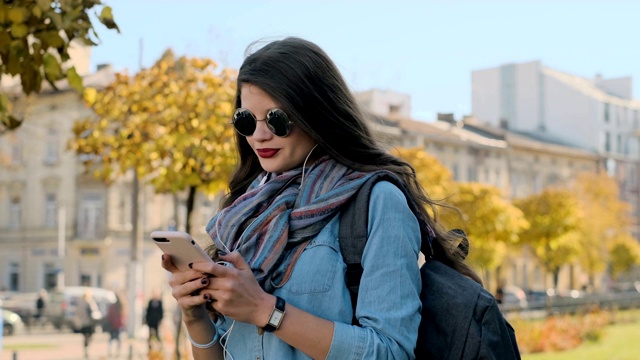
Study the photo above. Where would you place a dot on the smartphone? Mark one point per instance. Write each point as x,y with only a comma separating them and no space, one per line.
181,247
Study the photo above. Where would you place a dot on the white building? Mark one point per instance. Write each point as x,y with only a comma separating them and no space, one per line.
385,102
595,114
598,115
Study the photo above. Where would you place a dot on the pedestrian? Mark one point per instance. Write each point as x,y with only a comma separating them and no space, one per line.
41,304
153,317
500,292
304,148
115,324
86,317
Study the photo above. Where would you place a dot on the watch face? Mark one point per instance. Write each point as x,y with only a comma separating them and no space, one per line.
276,318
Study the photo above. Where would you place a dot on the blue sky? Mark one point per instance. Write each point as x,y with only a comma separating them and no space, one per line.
423,48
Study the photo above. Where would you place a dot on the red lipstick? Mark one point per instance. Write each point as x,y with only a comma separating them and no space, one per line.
267,153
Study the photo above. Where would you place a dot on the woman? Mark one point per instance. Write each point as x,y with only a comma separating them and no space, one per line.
115,323
305,148
86,317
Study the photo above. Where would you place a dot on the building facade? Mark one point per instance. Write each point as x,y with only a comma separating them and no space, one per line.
599,115
519,164
60,225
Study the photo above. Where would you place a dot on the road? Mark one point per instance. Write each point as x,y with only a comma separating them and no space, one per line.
49,344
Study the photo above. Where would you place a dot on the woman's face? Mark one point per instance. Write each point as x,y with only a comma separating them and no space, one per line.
276,154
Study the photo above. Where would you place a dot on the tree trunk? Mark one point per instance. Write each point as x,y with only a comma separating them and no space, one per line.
191,199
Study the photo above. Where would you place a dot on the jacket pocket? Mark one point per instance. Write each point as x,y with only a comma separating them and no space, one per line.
316,268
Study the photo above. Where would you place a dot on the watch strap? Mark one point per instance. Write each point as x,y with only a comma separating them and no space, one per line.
275,319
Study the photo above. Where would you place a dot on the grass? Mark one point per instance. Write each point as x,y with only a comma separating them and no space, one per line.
620,342
27,346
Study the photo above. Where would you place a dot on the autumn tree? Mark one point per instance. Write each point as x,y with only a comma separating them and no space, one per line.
624,254
432,175
169,124
489,219
35,36
606,218
554,218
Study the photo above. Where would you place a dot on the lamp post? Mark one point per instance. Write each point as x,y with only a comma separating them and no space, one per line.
62,246
135,266
636,134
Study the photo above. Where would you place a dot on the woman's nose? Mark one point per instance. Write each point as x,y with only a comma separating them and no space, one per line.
262,132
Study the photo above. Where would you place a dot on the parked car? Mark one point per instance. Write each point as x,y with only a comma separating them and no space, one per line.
537,299
11,323
63,304
513,298
627,287
21,303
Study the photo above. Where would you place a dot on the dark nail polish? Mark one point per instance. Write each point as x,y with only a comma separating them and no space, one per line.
162,257
204,280
206,297
222,253
190,265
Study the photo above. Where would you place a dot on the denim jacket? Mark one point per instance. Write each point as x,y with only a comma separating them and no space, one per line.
389,295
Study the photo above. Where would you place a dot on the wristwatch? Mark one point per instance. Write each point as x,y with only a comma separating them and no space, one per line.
275,319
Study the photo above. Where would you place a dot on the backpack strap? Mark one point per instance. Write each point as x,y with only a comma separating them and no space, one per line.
353,234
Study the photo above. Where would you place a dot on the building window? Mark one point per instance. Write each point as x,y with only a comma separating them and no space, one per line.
607,109
619,143
611,167
456,173
14,276
90,216
85,280
471,173
50,276
51,210
514,185
51,155
537,183
15,213
607,141
553,179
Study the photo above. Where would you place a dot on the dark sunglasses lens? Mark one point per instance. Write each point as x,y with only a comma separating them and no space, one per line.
244,123
278,122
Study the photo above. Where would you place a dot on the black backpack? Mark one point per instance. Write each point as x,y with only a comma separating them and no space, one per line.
460,319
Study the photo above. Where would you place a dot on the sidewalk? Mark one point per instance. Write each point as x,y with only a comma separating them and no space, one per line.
68,346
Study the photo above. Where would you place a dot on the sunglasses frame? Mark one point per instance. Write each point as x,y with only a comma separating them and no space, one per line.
267,119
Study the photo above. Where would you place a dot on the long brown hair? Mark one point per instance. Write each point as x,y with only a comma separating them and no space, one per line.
306,84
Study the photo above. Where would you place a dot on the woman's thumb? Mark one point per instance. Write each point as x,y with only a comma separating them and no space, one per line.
236,260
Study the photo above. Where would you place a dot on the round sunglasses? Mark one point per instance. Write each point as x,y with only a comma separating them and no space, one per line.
277,121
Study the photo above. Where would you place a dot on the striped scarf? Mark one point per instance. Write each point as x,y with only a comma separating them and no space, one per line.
271,224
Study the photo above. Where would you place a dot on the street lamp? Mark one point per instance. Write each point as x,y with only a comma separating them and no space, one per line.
62,243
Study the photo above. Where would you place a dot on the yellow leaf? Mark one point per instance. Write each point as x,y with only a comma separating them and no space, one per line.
36,11
19,30
17,15
52,38
90,95
106,17
44,5
75,81
52,68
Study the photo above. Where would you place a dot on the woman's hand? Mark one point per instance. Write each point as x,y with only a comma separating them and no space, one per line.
185,288
235,292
